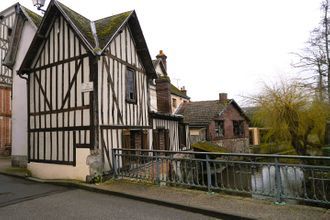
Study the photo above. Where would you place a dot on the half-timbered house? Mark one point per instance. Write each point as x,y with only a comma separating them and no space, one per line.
87,91
15,22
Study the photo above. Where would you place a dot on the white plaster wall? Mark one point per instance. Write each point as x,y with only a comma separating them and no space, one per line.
57,171
195,132
19,100
153,98
159,70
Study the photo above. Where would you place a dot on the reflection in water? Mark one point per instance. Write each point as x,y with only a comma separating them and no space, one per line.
263,182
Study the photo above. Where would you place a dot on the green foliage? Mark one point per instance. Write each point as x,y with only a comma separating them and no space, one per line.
326,151
291,115
272,148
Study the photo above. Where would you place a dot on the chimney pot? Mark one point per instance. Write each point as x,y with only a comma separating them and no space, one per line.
163,57
183,90
223,97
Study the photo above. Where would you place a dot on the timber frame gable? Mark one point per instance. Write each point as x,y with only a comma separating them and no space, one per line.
76,90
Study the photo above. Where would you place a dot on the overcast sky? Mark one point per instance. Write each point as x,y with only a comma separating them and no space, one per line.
216,45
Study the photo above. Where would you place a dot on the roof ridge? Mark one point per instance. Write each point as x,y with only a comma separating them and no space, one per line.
79,19
109,26
112,15
216,100
31,16
94,32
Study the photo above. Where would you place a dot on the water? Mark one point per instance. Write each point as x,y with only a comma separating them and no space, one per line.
292,180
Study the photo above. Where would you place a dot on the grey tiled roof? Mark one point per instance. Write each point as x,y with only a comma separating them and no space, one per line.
203,112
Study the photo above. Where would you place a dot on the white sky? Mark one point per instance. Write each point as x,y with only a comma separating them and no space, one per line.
215,45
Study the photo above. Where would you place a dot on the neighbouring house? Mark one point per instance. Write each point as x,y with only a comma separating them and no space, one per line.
88,92
165,98
169,131
221,122
15,21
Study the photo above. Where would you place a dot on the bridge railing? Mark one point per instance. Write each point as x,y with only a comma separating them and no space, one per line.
282,177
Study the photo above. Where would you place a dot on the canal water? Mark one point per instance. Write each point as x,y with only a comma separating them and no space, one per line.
263,182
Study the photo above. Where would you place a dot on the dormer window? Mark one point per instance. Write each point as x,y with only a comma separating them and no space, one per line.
174,103
9,31
130,86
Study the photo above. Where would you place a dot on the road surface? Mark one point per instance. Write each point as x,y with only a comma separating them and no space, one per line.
23,199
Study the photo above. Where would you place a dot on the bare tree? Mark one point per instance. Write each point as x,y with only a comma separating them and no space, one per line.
315,58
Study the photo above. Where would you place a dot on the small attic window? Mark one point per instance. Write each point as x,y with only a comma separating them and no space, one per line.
220,128
130,86
9,31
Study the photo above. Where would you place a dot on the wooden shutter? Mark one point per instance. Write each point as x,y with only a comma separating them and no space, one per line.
145,142
126,144
155,138
182,136
167,139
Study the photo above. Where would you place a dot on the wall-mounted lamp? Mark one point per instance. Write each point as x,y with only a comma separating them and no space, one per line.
39,4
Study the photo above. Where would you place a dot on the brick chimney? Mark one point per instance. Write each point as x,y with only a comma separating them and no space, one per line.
223,97
163,90
183,90
163,57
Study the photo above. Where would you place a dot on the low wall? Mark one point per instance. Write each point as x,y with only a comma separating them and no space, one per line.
58,171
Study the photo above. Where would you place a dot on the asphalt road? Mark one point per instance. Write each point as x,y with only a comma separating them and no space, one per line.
22,199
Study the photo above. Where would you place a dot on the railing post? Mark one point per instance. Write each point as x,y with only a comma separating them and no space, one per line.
157,169
208,172
278,182
114,164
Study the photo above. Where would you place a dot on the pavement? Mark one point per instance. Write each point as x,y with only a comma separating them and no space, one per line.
211,204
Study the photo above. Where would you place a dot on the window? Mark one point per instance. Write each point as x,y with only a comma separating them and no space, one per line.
130,86
219,128
174,104
238,128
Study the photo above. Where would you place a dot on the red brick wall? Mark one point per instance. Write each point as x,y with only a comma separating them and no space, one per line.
228,116
5,118
163,89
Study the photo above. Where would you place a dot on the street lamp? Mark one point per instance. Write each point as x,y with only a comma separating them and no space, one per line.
39,4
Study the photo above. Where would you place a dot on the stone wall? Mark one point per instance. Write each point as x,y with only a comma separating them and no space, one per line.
234,145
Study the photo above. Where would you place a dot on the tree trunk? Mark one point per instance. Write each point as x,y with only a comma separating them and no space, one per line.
326,38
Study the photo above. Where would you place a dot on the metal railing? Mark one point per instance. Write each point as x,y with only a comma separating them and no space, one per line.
283,177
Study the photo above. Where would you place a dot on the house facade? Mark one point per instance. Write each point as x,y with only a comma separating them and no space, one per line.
15,22
221,122
7,18
88,92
